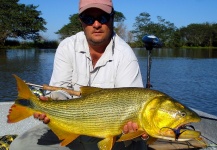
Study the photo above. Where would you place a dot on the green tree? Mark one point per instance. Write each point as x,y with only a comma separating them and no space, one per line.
121,30
71,28
141,28
75,26
119,17
214,29
163,29
166,31
119,27
176,40
198,34
19,21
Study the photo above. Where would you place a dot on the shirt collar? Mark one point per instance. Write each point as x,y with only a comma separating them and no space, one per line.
107,56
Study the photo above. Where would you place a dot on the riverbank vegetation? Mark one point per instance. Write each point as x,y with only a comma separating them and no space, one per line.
20,21
20,26
45,44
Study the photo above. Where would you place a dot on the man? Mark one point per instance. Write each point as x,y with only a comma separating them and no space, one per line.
96,57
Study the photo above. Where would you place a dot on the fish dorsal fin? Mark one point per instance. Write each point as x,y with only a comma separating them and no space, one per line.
23,90
86,90
131,135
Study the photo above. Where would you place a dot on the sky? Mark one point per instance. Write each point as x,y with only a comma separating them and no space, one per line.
180,12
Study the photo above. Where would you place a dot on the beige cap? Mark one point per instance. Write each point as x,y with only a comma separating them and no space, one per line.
105,5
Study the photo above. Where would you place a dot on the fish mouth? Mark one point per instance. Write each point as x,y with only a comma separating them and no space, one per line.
182,133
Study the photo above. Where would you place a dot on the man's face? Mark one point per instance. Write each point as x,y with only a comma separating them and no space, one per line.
97,34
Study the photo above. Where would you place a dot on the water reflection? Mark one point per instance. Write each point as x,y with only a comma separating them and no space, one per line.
180,52
32,65
189,75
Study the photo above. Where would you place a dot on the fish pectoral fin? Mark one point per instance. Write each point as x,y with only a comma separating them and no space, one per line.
131,135
18,113
106,144
68,139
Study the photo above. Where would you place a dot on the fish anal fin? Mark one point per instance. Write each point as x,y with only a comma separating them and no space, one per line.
66,136
68,139
18,113
131,135
106,144
86,90
151,140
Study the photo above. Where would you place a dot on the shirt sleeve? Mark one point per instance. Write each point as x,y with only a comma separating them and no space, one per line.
129,75
128,72
63,68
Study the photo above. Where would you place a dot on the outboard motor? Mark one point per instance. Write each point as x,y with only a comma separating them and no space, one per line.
150,42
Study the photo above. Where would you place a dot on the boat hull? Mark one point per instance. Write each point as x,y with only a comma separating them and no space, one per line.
207,126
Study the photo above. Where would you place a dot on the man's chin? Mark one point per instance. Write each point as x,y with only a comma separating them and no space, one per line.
97,42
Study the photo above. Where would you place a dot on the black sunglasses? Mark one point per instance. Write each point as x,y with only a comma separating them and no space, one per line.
89,20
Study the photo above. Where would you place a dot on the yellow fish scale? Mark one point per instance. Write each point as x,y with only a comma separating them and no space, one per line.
99,114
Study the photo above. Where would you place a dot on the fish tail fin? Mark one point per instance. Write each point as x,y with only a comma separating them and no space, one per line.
18,113
23,90
22,107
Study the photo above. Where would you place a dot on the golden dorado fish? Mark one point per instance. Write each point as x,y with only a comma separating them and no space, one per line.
102,113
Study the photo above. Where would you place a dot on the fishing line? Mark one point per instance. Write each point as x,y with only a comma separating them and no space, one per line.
208,145
209,118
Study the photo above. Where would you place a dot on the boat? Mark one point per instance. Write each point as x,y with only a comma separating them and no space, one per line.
207,127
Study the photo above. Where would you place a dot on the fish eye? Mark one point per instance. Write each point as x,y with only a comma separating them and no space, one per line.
182,113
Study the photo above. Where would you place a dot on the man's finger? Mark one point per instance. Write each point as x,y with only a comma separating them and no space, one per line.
43,98
125,130
145,137
130,126
36,115
135,126
46,120
41,116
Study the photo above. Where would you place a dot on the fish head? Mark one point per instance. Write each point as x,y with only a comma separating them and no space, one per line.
165,118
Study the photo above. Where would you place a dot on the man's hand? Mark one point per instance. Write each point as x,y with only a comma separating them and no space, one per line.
40,116
55,95
133,127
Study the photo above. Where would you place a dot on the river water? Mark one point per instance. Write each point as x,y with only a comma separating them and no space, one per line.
188,75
